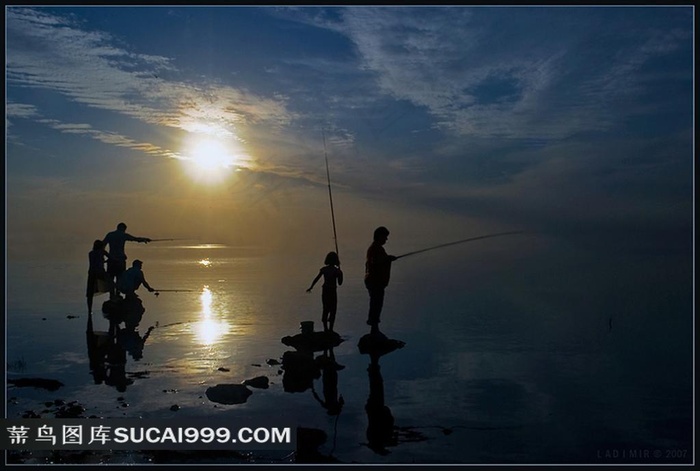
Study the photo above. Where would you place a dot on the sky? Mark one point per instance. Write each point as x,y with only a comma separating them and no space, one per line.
441,123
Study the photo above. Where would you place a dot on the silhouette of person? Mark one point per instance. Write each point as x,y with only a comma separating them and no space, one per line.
332,401
97,282
332,277
129,281
116,263
377,272
380,421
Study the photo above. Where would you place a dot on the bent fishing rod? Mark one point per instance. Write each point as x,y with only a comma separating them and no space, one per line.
459,242
330,195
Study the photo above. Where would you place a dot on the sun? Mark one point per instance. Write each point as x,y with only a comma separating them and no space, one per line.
210,159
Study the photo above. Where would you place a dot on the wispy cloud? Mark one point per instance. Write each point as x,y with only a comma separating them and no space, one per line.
90,68
481,77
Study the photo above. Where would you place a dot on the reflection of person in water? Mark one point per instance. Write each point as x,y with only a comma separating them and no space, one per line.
133,343
332,401
300,370
380,426
97,344
107,356
116,367
97,276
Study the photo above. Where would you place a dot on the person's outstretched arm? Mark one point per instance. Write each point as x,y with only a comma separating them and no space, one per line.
318,277
146,285
137,239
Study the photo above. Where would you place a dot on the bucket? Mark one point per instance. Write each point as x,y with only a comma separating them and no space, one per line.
307,327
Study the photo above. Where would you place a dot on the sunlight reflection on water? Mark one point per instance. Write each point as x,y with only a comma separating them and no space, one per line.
210,329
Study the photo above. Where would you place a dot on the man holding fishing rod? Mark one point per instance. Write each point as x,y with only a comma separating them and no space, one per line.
378,269
377,273
116,260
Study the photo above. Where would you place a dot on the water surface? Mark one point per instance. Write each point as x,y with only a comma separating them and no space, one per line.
548,357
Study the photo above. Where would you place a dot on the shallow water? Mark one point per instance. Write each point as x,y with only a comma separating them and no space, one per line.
546,357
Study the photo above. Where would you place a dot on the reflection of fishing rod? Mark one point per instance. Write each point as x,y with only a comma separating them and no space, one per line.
459,242
330,196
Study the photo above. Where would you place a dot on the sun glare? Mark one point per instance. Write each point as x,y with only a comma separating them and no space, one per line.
211,159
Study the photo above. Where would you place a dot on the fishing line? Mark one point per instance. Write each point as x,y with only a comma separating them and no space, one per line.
459,242
330,195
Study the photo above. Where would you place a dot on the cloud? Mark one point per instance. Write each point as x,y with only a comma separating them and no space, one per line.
88,67
507,78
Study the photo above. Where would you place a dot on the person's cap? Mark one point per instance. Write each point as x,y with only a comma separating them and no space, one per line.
137,262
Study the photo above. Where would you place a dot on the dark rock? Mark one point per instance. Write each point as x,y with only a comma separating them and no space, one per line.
72,317
313,341
256,364
378,344
224,369
50,384
174,408
273,362
228,393
260,382
70,412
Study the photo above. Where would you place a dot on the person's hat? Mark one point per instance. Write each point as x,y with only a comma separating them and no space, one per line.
137,262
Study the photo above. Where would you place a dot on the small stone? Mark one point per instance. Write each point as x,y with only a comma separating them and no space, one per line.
174,407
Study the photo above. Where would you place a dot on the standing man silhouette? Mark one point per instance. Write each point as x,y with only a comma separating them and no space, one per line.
116,261
377,273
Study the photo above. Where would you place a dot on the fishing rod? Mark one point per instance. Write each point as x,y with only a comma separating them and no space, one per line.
158,291
459,242
177,290
330,195
164,240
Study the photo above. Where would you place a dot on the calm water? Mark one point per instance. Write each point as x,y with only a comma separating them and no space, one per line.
556,356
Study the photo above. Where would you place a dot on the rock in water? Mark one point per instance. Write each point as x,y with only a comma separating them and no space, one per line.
378,344
260,382
313,341
50,384
228,393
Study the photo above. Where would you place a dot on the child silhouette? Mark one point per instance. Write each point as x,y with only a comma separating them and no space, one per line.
332,277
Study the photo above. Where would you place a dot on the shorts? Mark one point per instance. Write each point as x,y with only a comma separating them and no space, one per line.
116,267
